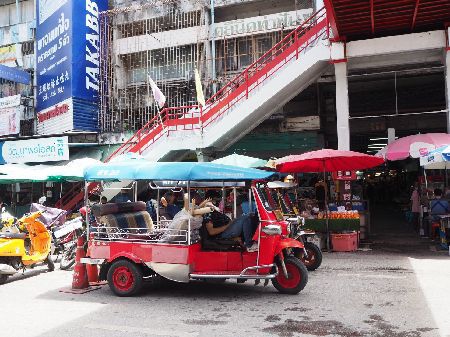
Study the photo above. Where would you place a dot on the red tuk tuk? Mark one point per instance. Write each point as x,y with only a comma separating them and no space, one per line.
128,256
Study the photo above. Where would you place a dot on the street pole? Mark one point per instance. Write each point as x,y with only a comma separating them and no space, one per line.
213,47
17,12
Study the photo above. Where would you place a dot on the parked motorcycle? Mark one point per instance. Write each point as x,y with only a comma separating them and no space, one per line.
24,243
65,241
310,255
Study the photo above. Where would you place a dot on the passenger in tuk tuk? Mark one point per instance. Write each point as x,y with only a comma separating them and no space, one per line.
168,201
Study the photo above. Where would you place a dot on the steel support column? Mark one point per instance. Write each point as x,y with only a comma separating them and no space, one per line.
342,106
447,83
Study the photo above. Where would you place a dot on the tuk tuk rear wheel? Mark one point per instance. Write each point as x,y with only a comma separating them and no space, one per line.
3,278
125,278
297,276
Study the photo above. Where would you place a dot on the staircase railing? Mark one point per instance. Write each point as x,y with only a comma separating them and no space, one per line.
237,89
291,46
195,117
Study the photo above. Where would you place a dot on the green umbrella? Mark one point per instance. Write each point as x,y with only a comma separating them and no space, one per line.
241,161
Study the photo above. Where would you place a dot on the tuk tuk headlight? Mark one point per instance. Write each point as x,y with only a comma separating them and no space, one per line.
272,230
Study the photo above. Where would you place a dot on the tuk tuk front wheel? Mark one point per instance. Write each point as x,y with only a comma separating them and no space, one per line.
314,258
125,278
3,278
297,276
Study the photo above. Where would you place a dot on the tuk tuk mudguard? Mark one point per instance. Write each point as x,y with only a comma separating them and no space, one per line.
287,243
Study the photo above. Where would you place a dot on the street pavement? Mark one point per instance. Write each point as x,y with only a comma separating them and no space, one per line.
395,289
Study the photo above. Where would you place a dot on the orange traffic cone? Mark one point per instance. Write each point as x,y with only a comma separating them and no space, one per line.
80,284
80,280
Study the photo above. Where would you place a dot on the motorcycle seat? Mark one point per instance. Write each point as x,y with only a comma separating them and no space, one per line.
13,235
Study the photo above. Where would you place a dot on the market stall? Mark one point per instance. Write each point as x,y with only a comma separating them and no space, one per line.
323,216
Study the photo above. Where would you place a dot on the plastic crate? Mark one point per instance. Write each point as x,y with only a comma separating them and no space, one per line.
344,242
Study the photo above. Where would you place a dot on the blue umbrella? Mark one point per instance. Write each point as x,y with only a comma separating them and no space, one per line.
114,171
173,172
199,172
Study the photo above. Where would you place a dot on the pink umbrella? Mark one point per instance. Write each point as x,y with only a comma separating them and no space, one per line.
327,160
414,146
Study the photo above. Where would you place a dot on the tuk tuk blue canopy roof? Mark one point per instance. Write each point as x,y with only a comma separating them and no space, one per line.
178,171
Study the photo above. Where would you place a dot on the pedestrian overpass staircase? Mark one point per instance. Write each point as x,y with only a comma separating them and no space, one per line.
243,103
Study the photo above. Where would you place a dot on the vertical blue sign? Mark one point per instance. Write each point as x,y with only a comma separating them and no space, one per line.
67,58
54,52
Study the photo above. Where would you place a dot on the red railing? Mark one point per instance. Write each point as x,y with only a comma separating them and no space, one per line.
195,117
167,121
291,46
74,196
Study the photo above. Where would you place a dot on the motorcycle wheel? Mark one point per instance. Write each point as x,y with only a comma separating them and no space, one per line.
297,276
3,278
50,263
67,258
314,259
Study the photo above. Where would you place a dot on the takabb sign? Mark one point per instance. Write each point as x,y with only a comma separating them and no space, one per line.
67,63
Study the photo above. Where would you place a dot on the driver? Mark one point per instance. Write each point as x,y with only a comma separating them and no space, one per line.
218,225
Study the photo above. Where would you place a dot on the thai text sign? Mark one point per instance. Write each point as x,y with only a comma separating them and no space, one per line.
35,150
344,175
56,119
261,24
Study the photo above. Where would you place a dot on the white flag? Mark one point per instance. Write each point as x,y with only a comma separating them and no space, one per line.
157,94
198,88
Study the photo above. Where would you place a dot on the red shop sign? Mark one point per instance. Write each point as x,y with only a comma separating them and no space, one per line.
344,175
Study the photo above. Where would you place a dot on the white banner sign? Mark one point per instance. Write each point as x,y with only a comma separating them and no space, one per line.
36,150
10,121
56,119
301,123
261,24
9,101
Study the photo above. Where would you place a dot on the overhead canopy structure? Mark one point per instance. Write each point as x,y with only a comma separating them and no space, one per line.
360,19
21,173
142,170
241,161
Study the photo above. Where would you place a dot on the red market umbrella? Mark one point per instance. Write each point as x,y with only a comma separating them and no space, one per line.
327,160
414,146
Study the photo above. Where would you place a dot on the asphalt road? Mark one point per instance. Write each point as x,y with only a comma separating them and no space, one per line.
384,292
